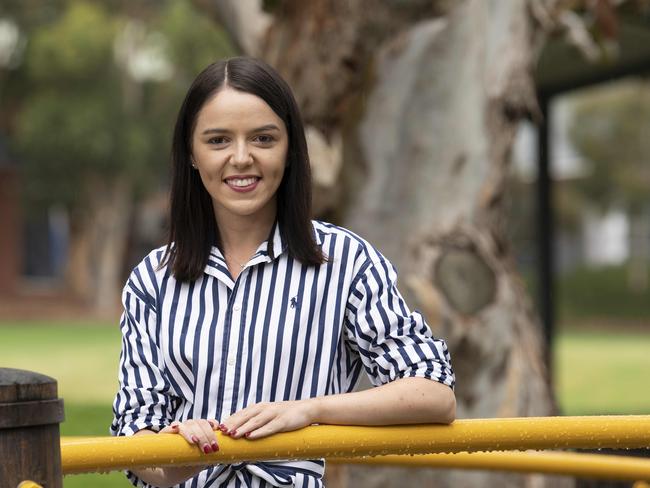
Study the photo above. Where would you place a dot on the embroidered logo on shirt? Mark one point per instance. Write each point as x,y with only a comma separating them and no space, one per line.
294,302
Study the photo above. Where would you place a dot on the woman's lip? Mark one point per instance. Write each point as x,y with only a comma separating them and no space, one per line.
242,189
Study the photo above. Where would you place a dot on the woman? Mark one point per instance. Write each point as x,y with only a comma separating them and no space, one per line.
255,315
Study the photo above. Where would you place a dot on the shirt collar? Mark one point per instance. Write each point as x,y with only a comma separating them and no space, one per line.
216,265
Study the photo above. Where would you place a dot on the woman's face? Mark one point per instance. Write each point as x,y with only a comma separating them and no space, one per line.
239,147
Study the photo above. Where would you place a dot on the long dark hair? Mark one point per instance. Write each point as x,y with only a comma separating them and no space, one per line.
193,228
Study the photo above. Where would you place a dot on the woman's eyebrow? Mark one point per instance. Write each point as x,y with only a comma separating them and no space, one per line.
264,128
215,130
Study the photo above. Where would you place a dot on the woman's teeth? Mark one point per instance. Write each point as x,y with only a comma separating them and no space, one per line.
242,182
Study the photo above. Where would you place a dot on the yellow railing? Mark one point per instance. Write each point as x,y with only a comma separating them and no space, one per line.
81,455
597,466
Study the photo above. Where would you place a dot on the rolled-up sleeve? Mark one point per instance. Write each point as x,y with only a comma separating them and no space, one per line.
392,341
144,399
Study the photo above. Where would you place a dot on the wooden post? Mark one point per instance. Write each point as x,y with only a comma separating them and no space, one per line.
30,413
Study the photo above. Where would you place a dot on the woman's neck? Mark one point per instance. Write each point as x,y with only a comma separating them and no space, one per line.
241,235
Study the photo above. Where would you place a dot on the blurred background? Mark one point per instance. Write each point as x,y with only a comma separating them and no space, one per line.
88,96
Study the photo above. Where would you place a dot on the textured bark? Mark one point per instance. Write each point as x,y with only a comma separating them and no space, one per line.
110,229
98,246
426,97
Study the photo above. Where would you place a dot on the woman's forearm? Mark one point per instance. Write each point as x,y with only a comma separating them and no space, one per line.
404,401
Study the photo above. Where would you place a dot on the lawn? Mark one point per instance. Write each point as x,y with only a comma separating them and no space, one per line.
596,372
83,358
603,372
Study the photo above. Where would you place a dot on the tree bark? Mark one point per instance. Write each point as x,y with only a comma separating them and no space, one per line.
426,97
98,245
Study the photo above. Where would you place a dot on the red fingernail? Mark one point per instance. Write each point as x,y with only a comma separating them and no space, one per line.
215,446
233,432
223,428
207,449
247,435
195,439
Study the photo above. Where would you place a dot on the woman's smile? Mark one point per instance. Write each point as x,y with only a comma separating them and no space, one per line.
242,184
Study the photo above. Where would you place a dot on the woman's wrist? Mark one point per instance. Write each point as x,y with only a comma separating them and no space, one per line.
315,410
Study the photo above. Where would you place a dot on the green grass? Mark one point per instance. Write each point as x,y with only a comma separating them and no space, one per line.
83,357
596,372
603,372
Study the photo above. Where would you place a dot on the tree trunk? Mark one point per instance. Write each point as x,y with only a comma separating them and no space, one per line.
111,229
426,97
78,275
98,245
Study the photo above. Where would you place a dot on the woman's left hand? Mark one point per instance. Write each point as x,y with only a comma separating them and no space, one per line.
264,419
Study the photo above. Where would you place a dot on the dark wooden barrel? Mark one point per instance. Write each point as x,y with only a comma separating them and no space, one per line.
30,413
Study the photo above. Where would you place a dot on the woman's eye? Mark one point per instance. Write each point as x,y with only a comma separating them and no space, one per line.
264,139
218,140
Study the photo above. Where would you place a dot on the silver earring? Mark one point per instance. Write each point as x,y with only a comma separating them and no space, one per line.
194,165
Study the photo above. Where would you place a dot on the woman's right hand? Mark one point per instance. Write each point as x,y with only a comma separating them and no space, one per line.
200,432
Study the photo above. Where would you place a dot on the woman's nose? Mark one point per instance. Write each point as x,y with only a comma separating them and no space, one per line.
241,154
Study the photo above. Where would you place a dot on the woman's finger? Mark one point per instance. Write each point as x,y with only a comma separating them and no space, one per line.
256,422
187,432
198,432
273,427
238,419
208,437
170,429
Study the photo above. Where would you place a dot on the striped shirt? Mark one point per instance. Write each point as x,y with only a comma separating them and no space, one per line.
280,331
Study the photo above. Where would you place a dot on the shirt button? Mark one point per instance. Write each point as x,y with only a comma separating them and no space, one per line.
237,308
232,360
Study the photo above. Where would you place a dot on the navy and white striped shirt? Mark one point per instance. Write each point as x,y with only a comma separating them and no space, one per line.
280,331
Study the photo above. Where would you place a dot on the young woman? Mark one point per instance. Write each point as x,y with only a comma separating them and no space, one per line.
253,319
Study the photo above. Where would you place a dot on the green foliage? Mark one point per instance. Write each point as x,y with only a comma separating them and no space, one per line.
600,292
81,117
65,140
194,40
74,49
610,128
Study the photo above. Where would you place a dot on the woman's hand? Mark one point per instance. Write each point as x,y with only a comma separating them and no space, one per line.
264,419
199,432
196,431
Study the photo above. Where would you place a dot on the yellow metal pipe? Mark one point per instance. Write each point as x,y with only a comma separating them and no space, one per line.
597,466
84,455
